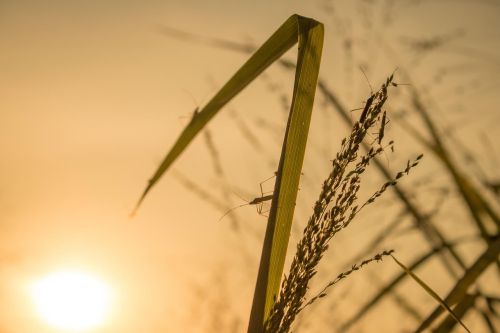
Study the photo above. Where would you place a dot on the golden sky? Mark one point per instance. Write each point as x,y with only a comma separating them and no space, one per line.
92,95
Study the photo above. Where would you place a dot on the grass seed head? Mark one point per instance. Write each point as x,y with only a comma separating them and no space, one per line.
333,211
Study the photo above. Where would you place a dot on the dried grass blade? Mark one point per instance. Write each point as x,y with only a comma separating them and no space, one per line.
459,291
387,289
461,309
431,292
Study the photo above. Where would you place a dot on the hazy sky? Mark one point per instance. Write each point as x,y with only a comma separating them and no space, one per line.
92,94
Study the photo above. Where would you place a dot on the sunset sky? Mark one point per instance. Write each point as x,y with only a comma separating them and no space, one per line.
93,93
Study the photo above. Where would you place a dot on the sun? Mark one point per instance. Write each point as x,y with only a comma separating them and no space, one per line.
72,300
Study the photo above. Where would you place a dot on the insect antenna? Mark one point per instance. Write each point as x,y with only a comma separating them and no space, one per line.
232,209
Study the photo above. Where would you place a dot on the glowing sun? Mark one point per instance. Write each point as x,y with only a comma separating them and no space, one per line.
72,300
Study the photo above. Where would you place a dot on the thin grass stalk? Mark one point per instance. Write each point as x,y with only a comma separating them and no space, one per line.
488,320
389,287
473,199
460,310
459,291
443,304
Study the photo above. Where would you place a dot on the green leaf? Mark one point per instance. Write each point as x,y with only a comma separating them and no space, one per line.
309,35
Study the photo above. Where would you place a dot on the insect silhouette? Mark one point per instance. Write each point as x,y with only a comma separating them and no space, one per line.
258,201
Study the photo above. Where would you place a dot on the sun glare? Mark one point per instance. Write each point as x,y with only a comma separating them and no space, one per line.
72,300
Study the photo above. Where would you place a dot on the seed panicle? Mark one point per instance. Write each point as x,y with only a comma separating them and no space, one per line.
333,211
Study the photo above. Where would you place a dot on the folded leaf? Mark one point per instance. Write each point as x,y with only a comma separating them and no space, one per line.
309,35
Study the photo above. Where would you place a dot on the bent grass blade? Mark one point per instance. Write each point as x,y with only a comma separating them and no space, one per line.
308,33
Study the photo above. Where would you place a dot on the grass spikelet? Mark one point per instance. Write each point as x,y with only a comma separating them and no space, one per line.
343,275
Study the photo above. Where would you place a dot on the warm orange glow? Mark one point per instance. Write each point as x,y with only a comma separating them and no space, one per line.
72,300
